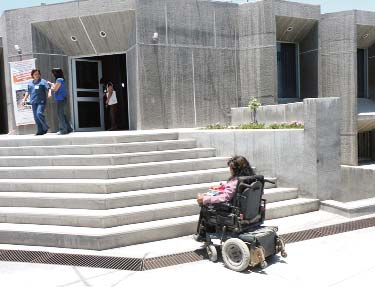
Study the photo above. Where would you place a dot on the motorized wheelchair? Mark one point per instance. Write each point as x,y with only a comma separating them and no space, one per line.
237,226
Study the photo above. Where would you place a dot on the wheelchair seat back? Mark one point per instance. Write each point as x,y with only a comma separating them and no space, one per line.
250,200
249,196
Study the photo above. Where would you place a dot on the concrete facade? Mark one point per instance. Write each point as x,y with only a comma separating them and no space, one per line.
208,57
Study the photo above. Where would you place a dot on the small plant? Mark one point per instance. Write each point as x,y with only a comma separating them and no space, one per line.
253,105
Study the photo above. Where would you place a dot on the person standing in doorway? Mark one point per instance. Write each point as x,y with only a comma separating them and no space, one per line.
58,89
112,104
38,90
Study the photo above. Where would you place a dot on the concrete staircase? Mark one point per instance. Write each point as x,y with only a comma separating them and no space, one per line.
105,190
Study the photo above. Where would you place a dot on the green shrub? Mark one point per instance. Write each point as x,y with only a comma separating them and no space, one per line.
293,125
257,126
252,126
216,127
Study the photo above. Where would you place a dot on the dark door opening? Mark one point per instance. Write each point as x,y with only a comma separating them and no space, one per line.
287,70
366,147
114,71
3,111
362,72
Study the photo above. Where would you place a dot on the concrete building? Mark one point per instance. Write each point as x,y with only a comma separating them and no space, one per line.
178,64
187,63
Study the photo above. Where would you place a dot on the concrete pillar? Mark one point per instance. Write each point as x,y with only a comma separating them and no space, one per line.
321,164
338,77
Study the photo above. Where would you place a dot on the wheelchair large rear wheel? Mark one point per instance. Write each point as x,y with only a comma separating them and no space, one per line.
236,254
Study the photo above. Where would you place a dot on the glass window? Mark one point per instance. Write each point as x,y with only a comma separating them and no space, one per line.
89,114
87,75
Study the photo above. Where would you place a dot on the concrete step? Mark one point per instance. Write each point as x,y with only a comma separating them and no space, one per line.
106,159
98,218
96,238
134,214
112,172
350,209
114,185
98,148
279,194
106,238
86,138
123,199
291,207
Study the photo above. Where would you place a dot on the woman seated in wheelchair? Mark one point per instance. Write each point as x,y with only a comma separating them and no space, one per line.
238,166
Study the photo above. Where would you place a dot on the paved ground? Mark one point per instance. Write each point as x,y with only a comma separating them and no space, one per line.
345,259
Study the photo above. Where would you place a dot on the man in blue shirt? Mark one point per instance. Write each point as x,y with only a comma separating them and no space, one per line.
37,89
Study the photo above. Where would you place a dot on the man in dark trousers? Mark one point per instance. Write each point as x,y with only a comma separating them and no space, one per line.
37,89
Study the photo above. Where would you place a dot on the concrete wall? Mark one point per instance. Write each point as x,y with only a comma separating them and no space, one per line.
356,183
189,77
277,153
270,114
309,158
339,75
257,52
133,98
321,170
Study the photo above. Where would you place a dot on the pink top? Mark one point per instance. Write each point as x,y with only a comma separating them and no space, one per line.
224,195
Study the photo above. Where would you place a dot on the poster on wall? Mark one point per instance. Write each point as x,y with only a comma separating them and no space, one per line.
21,76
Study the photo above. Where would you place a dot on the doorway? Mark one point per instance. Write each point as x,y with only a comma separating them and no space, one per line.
287,70
87,95
362,73
3,112
90,77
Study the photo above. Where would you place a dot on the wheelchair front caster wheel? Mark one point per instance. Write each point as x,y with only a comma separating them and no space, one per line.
236,254
263,265
211,252
284,254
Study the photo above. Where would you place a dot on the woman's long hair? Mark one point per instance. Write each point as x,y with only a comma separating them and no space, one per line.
240,166
57,73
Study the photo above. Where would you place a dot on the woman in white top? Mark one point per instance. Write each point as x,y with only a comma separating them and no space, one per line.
112,103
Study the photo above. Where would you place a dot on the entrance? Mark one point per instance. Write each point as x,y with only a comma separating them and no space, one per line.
287,70
90,76
362,73
87,95
3,112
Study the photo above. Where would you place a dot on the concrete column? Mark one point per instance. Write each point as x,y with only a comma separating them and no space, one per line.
338,44
257,52
321,164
